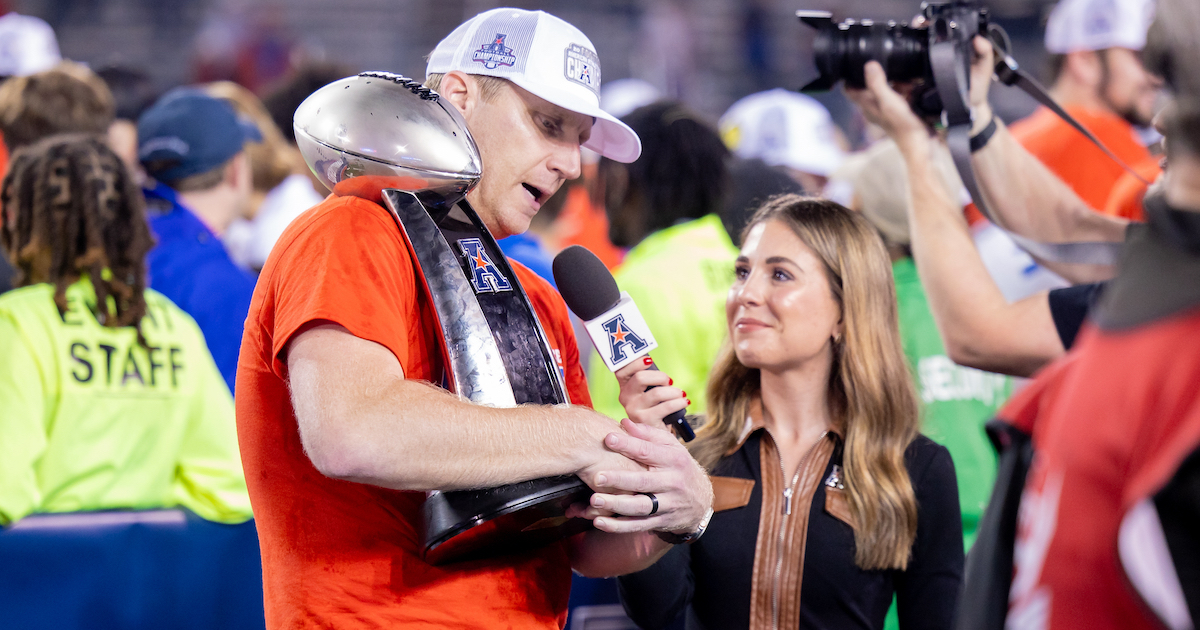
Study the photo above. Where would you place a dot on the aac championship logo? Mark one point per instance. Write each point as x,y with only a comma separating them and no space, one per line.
620,337
495,54
582,66
484,275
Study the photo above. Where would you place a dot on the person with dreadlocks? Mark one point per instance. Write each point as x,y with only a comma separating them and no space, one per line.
65,98
110,398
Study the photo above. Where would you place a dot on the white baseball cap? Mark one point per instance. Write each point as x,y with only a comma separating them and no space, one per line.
622,96
547,57
27,45
1077,25
783,128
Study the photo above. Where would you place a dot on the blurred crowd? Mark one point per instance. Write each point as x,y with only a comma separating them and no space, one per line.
136,222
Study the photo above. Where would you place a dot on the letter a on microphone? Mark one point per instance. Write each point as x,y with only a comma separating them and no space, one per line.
620,334
619,337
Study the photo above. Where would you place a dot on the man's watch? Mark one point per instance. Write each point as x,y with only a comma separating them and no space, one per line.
678,539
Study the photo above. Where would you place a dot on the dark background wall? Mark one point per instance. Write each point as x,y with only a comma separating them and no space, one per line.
706,52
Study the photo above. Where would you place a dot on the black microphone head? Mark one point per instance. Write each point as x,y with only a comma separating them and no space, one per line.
584,282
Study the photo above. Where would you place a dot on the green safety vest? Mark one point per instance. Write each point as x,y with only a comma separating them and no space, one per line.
679,278
92,420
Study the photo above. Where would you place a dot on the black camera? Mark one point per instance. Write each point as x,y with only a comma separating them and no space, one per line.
907,53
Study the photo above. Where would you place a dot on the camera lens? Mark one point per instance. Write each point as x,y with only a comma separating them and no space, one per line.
840,51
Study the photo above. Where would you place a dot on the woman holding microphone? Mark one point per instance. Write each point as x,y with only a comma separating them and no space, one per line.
828,502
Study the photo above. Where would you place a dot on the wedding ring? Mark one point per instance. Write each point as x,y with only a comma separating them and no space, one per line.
653,503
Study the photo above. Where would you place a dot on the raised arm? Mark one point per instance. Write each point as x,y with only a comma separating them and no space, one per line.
979,327
1026,197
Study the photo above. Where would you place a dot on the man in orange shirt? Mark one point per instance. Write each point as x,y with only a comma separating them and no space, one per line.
1098,79
1125,199
340,431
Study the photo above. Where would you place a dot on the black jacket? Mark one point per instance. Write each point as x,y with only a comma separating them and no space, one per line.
713,579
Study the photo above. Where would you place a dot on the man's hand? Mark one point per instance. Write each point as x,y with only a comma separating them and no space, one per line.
983,67
680,485
608,460
885,107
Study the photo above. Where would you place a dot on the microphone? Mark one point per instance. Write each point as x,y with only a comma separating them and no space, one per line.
611,319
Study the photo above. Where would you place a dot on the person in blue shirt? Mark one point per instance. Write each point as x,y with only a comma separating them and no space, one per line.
528,250
191,144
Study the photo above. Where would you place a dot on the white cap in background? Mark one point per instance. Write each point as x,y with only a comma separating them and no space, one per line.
27,45
625,95
1078,25
878,180
545,56
783,128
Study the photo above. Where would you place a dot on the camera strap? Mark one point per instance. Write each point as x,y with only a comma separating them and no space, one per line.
1010,73
951,79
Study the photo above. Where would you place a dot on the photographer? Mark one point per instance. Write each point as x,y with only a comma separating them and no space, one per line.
1116,425
980,327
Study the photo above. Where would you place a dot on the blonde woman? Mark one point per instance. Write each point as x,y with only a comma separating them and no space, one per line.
828,501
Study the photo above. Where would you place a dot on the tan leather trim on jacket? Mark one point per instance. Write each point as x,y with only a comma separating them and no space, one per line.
779,550
730,492
838,506
769,523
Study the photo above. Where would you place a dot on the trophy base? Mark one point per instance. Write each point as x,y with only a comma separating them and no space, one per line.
474,524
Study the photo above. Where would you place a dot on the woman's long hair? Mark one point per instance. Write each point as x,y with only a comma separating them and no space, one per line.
71,208
870,388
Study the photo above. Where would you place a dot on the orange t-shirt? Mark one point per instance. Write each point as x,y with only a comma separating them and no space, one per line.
347,555
1125,200
1071,156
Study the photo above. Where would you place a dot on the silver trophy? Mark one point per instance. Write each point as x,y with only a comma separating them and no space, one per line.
388,139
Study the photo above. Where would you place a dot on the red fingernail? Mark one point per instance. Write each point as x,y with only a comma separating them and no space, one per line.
670,381
689,402
683,394
647,361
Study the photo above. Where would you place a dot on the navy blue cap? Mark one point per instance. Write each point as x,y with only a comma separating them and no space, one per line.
187,132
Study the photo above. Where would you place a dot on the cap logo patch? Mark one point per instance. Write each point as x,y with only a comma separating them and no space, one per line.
1099,20
774,129
582,66
494,54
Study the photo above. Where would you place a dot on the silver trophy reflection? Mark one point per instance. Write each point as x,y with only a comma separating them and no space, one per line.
386,138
